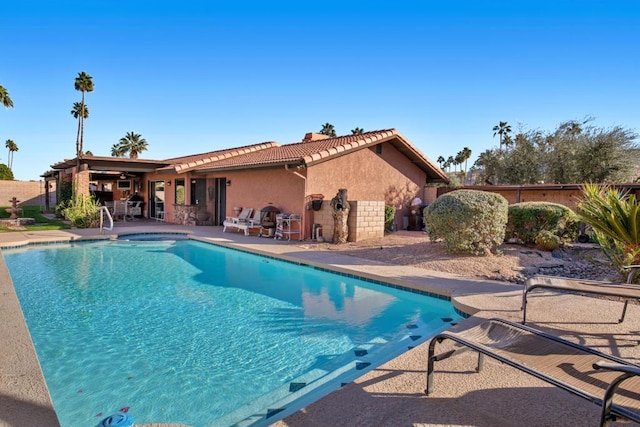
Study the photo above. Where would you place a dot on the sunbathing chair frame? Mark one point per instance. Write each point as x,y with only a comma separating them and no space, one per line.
609,410
243,222
627,291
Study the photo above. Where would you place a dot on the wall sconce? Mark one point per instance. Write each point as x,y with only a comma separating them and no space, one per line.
168,183
228,183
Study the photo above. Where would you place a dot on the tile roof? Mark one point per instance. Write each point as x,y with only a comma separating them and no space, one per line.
270,154
300,152
185,163
315,151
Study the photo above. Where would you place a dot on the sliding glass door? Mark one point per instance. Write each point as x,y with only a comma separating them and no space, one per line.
156,199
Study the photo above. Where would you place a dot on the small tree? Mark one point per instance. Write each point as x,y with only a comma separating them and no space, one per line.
389,217
5,173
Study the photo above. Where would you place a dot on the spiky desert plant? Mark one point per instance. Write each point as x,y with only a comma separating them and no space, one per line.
614,216
547,241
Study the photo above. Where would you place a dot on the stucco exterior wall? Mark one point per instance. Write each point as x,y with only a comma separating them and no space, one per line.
253,188
389,177
257,188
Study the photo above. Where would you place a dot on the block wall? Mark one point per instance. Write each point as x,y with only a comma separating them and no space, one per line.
366,220
29,193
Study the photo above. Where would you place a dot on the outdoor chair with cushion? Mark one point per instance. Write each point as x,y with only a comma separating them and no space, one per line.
133,209
254,223
608,381
232,221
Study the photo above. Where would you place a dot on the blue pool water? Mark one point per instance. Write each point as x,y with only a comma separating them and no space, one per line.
188,332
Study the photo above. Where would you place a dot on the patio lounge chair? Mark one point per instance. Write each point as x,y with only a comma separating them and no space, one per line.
608,381
233,221
626,291
254,223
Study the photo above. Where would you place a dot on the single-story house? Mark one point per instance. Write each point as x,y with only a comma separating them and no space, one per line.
377,168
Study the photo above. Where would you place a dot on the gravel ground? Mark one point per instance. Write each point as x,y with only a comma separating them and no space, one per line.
514,263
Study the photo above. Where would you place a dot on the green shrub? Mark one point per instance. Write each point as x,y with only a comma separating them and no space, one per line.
65,195
83,213
528,219
547,241
389,217
468,221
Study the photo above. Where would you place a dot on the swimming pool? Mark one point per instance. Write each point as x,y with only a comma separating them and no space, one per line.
188,332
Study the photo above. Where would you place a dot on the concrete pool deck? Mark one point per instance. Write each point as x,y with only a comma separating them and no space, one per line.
392,394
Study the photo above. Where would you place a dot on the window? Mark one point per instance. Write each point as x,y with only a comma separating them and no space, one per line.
124,185
180,192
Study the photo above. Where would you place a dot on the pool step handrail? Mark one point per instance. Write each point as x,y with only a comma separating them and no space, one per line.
104,211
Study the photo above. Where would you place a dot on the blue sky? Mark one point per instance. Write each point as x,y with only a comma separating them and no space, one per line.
197,76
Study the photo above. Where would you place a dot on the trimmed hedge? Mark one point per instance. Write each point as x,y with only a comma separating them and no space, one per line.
528,219
468,221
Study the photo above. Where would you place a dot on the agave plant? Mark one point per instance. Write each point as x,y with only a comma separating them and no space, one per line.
614,216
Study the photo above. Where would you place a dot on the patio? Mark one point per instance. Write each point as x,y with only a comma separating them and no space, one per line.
391,395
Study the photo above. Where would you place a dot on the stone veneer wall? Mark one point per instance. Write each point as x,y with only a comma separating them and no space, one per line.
183,215
366,220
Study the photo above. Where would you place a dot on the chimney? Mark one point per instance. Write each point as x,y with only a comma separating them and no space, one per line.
311,136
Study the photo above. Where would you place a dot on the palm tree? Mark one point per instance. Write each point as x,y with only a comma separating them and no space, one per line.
441,160
502,129
4,97
12,147
452,161
357,131
134,144
83,83
507,141
466,154
328,129
464,157
118,150
78,110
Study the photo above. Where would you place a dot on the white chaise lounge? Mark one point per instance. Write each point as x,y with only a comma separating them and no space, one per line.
243,221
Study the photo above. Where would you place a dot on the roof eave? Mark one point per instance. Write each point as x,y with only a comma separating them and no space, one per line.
289,163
